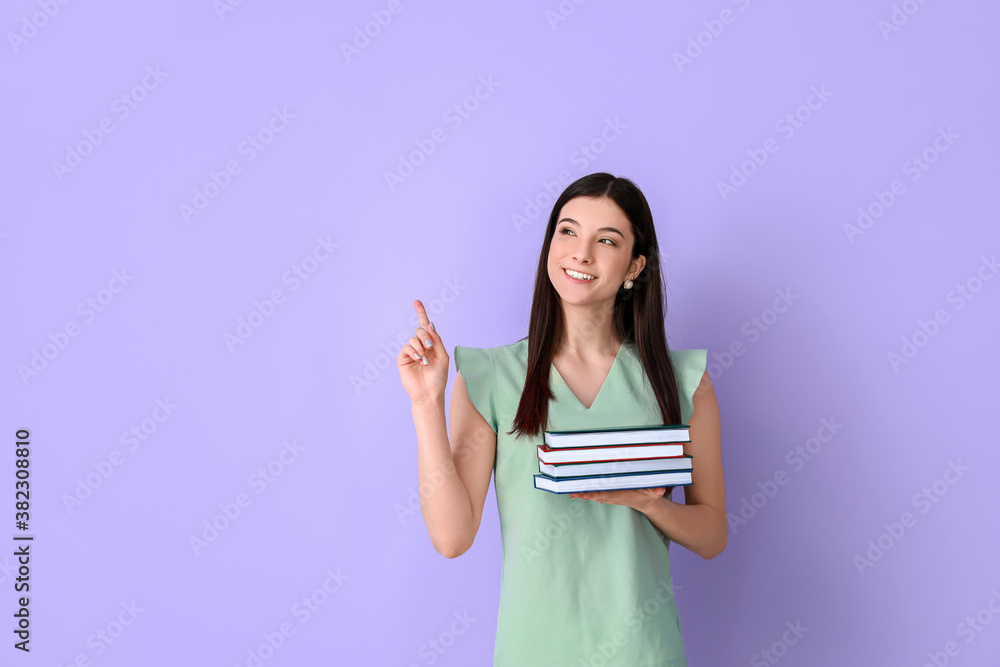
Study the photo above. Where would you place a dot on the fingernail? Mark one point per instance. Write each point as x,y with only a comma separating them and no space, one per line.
431,327
415,356
428,342
425,360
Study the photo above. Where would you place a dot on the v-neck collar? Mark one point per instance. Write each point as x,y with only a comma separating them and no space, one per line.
614,365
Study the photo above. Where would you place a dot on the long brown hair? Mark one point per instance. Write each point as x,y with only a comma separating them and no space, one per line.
638,315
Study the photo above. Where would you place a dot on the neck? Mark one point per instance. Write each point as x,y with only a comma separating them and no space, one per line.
588,332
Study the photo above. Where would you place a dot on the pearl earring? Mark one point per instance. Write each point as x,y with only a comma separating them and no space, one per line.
628,284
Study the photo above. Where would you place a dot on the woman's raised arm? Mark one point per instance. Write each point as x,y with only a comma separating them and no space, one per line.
454,473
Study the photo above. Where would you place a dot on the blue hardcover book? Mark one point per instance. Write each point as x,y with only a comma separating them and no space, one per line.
619,435
612,482
668,464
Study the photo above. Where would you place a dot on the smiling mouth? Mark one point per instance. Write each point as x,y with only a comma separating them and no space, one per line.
578,275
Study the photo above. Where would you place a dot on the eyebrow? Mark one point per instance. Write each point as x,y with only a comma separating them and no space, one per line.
602,229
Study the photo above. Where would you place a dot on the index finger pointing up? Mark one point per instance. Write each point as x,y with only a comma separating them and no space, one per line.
421,313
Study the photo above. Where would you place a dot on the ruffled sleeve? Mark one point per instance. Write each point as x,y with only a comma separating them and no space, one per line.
476,366
689,368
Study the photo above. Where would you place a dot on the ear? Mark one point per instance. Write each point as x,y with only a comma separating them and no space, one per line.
638,264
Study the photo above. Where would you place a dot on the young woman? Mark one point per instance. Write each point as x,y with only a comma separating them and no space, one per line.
586,576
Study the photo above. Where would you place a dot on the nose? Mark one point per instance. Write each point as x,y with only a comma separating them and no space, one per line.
581,253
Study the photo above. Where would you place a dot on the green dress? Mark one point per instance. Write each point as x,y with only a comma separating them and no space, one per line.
584,584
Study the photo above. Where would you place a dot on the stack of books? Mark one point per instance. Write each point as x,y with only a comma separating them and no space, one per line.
628,457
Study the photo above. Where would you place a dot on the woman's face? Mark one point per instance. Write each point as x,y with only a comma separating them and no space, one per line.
593,237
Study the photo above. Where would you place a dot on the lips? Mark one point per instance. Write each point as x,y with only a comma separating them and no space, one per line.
579,280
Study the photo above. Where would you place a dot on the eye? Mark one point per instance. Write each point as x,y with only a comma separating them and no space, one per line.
569,230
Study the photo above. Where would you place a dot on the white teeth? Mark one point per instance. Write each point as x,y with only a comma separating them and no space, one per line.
578,275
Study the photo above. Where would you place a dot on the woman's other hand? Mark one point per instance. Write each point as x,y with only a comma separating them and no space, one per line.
637,499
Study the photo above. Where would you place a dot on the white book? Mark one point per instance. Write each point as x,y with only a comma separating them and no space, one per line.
621,435
606,454
612,482
562,470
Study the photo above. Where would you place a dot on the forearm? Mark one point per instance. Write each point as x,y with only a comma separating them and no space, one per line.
699,528
444,500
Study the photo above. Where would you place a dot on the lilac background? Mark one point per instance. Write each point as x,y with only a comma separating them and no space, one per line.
460,234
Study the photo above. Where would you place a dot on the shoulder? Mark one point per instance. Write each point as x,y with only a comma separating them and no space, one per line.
693,359
690,368
506,361
512,354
